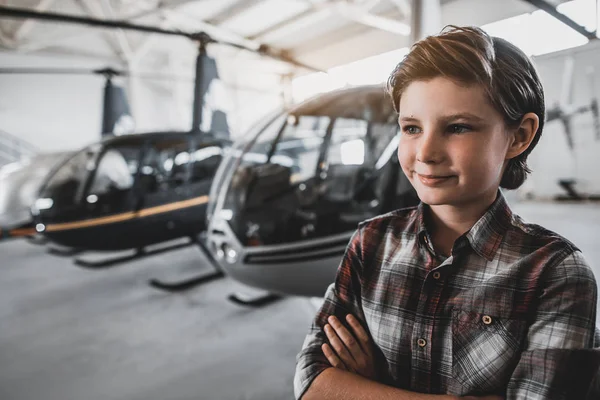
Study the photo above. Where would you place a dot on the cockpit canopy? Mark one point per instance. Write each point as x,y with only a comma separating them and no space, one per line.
114,175
316,170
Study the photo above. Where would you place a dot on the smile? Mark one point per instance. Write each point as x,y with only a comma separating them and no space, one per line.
433,181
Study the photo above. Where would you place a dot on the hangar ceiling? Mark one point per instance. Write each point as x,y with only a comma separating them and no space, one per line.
302,28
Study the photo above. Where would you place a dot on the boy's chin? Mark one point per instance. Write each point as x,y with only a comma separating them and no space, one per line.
439,197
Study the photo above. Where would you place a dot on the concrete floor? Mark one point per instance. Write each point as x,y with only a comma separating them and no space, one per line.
69,333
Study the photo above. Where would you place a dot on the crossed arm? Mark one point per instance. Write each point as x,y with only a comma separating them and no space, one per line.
354,370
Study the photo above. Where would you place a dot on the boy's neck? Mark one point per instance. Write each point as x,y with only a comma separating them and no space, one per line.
447,223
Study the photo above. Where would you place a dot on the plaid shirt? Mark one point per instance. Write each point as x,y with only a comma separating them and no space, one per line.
493,318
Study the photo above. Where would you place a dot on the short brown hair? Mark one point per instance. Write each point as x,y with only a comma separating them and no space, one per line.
470,56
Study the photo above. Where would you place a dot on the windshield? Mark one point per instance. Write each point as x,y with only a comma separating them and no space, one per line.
66,184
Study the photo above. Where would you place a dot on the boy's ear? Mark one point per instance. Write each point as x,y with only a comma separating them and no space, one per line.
521,138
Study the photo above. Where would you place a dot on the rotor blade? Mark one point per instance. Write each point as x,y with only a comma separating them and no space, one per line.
90,71
47,71
263,49
22,13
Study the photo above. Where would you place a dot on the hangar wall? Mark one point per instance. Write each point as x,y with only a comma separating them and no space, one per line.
553,160
60,112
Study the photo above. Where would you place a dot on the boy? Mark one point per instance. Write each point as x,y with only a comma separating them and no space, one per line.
458,296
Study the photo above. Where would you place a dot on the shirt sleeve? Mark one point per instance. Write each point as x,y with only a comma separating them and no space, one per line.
558,361
341,298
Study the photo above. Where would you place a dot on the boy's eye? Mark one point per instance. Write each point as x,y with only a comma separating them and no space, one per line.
458,128
411,129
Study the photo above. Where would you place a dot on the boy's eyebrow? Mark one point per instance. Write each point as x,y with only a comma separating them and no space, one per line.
450,117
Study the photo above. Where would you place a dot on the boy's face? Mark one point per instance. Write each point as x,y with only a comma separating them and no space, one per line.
453,143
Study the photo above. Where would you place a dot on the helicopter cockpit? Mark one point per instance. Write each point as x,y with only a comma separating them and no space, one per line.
130,190
314,172
295,191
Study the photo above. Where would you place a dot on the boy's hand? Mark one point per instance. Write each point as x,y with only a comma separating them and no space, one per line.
351,352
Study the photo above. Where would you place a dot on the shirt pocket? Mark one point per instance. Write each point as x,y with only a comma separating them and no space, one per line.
485,351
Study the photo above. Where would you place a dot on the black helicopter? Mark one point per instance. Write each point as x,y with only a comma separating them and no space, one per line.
285,203
133,191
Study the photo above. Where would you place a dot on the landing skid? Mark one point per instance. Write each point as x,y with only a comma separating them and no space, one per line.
187,284
253,301
37,240
140,253
180,286
66,252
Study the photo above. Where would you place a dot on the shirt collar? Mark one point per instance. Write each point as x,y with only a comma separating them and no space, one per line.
484,236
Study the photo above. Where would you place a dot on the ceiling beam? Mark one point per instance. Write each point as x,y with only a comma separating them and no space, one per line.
7,42
332,38
162,6
144,47
232,11
551,9
114,39
355,13
28,24
404,7
358,14
246,43
204,36
107,11
283,23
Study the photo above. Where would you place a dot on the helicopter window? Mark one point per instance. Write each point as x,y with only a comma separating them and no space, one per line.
300,145
165,165
205,161
355,153
66,184
348,142
257,153
115,172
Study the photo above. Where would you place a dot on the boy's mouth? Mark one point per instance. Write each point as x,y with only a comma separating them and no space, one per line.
433,180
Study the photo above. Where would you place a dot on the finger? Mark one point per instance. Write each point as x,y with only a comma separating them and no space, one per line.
346,337
339,347
359,332
333,359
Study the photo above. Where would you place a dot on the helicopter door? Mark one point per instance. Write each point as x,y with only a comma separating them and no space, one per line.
164,177
110,197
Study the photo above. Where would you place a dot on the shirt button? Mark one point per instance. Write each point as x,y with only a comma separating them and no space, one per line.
487,319
436,275
422,342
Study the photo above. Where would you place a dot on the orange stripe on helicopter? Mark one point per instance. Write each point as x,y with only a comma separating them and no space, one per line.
21,232
128,215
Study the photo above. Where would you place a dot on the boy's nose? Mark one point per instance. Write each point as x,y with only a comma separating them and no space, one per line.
430,148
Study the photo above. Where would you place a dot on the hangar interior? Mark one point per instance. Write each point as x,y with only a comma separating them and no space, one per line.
128,269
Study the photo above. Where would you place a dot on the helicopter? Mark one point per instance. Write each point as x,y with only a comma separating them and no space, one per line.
285,203
20,181
132,191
